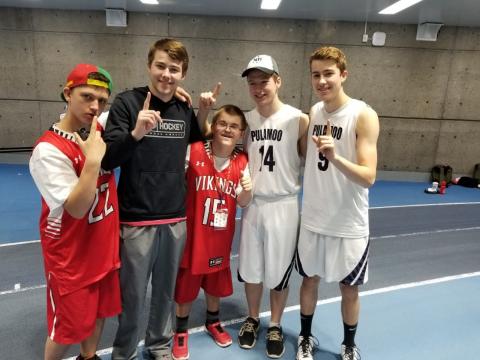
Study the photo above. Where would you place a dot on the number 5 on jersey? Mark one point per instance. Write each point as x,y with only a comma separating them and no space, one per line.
210,207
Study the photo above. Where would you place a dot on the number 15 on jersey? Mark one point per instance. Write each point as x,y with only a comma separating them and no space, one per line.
217,209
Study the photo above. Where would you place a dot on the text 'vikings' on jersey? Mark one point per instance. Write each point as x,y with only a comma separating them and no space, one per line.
209,182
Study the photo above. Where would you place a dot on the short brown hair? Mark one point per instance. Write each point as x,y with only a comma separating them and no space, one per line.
330,53
233,111
174,48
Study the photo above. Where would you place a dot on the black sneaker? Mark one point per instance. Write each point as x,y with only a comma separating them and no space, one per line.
275,348
247,336
350,353
80,357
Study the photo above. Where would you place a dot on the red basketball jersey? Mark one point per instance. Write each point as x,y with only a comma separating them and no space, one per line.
78,252
208,249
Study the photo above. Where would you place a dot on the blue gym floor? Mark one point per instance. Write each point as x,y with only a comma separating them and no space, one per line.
421,301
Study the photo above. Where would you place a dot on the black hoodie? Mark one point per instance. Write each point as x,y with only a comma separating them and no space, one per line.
152,175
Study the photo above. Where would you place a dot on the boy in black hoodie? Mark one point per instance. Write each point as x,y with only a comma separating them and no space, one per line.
147,134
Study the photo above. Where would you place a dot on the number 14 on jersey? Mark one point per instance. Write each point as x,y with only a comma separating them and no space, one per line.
267,157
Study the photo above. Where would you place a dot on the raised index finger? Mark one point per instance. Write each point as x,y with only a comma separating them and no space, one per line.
146,104
216,89
329,128
93,126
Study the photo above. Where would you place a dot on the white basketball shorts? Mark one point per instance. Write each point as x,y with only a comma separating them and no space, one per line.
334,259
267,242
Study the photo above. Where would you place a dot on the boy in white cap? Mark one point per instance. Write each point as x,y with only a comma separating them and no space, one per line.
79,226
340,165
270,223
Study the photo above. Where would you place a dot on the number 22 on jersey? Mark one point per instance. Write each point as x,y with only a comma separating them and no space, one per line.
98,211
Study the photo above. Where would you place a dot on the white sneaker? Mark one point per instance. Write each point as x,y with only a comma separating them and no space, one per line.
350,353
434,189
306,347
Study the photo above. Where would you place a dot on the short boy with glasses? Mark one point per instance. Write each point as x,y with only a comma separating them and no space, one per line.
217,180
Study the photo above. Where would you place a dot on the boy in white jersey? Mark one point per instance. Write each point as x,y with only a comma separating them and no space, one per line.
270,223
341,160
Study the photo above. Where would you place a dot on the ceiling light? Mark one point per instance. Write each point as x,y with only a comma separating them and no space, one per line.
270,4
398,6
149,2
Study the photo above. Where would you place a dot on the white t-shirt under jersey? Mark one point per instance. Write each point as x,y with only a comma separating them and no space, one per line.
332,204
272,152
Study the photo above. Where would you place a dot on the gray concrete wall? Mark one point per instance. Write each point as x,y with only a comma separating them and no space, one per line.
424,92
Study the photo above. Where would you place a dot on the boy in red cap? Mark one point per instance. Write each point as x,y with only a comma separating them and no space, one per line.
79,227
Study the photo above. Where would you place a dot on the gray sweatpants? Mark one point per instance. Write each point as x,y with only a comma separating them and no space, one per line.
148,252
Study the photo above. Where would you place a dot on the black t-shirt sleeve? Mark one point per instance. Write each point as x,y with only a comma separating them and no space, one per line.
195,133
117,136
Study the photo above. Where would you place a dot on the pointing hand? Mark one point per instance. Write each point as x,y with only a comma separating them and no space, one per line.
146,120
93,147
208,99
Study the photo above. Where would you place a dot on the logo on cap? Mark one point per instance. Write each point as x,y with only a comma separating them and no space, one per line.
264,63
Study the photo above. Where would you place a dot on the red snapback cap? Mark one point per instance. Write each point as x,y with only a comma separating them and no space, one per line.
84,74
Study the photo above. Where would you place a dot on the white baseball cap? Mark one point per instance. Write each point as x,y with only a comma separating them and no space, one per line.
264,63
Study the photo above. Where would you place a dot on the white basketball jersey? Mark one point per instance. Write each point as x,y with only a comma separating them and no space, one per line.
272,152
332,204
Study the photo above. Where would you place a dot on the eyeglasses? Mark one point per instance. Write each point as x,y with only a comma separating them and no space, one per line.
224,125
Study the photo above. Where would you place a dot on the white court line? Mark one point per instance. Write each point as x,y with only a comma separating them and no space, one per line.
13,291
390,289
20,243
233,256
422,205
371,208
329,301
424,233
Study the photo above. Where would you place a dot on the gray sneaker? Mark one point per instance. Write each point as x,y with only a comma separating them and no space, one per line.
350,353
